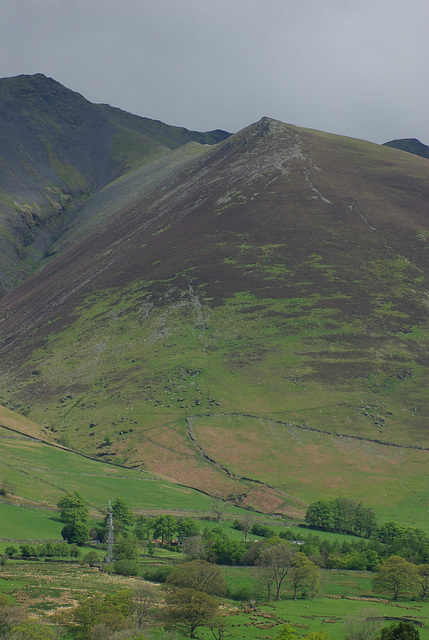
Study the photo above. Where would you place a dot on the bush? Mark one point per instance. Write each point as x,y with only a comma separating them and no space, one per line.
262,530
243,593
91,558
157,574
126,567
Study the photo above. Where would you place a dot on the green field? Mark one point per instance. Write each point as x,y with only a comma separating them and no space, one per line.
41,474
23,523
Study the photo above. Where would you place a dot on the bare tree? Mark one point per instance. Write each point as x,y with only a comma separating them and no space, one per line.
145,598
363,626
194,548
274,563
218,506
246,523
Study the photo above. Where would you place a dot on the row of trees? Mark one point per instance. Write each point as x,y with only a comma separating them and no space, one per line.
411,543
389,539
342,515
43,550
165,528
347,516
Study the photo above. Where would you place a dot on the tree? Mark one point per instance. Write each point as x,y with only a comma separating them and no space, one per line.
304,576
396,575
10,614
187,527
246,523
6,487
226,551
391,532
320,515
145,597
73,507
422,580
285,632
112,611
342,514
275,560
411,543
144,527
364,626
219,506
165,528
76,532
126,567
126,549
91,558
399,631
188,609
194,548
122,512
198,575
365,521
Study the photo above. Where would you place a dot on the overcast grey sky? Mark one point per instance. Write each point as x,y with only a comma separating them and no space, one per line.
353,67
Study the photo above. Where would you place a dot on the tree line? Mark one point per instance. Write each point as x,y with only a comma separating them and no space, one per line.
342,515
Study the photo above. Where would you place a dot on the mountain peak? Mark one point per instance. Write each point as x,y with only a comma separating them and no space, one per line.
57,148
411,145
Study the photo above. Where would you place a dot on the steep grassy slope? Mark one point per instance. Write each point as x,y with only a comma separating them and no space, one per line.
279,280
39,474
56,149
121,193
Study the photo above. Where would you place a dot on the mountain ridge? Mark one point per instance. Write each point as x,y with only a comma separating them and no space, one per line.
57,149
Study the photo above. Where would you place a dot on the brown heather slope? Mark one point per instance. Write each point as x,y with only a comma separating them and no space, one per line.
281,275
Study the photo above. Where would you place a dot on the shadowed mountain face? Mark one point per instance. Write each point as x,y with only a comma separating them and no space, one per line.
57,149
412,145
270,292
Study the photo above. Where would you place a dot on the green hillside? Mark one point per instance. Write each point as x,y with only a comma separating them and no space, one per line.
266,299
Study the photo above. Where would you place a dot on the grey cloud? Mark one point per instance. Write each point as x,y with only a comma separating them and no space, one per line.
353,68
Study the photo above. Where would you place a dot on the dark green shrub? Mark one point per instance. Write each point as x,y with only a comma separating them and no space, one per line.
126,567
157,574
243,593
261,530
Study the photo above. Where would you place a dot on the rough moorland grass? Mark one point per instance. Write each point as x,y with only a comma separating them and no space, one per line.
392,480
